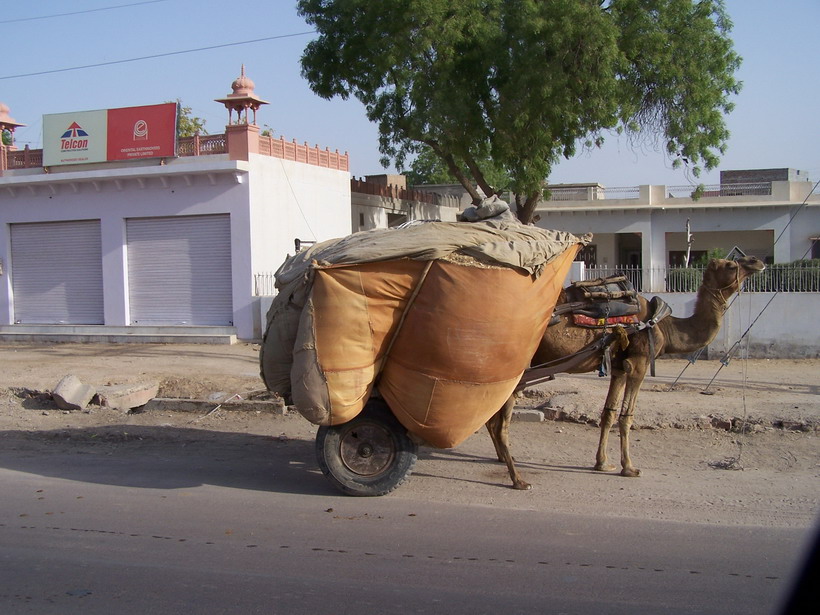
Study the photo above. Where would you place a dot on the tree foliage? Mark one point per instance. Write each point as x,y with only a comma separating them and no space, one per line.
188,124
524,82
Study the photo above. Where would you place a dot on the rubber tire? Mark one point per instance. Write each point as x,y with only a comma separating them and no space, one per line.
375,417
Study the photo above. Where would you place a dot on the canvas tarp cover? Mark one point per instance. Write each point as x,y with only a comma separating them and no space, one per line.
466,338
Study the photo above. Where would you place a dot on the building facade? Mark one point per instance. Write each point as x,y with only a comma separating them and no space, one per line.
164,245
653,227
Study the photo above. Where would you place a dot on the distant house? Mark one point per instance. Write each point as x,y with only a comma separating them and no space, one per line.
769,213
384,201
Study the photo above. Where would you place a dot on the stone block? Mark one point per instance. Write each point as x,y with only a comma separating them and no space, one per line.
554,414
127,396
721,423
72,394
528,416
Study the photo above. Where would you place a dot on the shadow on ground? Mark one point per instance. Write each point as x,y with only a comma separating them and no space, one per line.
150,457
165,457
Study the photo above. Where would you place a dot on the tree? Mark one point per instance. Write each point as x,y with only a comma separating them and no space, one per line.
188,125
524,82
428,168
7,137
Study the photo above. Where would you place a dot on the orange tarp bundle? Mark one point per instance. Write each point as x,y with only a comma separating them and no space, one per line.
445,343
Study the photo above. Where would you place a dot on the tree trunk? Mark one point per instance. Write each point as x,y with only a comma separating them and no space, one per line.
456,172
526,210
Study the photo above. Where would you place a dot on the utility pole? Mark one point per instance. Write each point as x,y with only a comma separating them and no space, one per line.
689,241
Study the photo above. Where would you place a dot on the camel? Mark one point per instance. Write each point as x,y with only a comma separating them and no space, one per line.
721,279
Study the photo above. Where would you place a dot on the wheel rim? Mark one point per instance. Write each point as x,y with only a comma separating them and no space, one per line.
367,449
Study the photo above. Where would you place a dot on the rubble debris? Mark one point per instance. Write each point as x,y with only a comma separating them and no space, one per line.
127,396
72,394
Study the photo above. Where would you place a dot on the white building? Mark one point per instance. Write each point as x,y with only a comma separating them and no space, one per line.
165,246
645,227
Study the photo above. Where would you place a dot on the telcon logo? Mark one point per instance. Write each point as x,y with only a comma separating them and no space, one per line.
74,139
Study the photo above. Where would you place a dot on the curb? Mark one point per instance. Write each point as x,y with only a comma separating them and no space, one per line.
204,406
733,424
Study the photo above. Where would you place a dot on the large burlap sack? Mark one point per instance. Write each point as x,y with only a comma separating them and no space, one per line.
464,346
468,334
341,302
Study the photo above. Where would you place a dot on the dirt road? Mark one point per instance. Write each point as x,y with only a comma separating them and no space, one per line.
745,454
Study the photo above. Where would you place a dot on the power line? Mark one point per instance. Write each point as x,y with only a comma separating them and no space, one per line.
156,55
104,8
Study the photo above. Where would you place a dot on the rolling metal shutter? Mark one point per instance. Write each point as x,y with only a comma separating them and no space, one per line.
179,270
57,273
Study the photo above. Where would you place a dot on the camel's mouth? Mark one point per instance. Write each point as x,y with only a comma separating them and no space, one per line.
752,264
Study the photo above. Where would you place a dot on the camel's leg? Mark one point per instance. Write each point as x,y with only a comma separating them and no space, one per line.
499,428
494,426
616,386
607,419
636,371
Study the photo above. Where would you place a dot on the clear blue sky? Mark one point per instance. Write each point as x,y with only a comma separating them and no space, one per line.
775,123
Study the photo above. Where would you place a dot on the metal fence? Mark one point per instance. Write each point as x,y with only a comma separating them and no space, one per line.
790,277
264,284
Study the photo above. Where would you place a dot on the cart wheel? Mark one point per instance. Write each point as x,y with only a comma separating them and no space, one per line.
369,455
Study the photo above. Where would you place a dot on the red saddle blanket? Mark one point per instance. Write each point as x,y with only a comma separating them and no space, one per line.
580,320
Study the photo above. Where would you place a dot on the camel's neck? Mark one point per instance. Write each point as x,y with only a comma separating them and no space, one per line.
684,335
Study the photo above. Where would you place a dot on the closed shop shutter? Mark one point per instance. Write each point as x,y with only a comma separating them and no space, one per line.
179,270
57,273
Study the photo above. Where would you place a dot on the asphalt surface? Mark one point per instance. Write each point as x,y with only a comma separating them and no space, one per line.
145,528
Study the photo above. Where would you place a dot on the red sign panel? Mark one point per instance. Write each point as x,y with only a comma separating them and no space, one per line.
142,132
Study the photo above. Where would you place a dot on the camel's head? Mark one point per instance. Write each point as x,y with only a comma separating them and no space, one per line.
726,276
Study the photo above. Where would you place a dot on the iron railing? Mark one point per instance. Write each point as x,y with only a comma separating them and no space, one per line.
800,277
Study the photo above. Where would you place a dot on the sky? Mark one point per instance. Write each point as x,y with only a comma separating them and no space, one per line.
107,44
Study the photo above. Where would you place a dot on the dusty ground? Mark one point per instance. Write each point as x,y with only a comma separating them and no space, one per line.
745,454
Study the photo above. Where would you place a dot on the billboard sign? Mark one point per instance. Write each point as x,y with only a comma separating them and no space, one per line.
142,132
129,133
74,138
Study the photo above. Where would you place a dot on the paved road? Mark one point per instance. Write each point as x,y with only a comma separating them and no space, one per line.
183,529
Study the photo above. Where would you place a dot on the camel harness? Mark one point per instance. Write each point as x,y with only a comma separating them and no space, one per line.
612,305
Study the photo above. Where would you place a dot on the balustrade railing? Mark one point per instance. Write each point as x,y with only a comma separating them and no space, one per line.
600,193
204,145
395,192
291,150
22,158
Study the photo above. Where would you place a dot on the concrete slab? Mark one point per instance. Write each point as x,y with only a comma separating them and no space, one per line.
72,394
529,416
127,396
